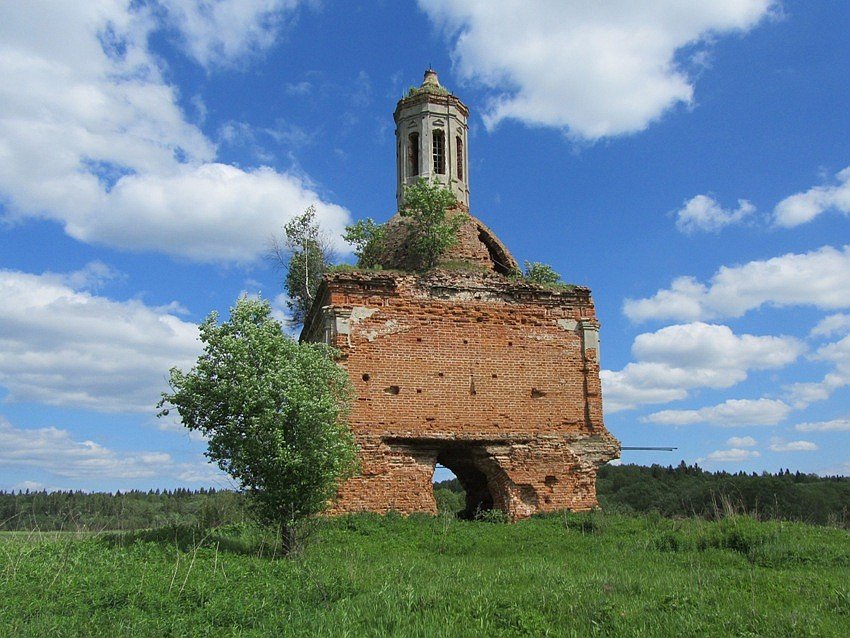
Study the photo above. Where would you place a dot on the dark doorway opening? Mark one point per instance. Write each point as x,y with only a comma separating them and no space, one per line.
468,478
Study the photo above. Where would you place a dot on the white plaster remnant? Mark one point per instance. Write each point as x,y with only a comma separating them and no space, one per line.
464,295
390,327
591,450
590,337
359,313
342,320
568,324
341,323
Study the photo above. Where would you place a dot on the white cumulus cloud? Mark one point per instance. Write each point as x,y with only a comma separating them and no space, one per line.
836,354
741,441
92,136
836,425
732,455
229,214
56,451
224,32
804,207
819,278
66,346
673,360
830,325
730,413
792,446
703,213
593,69
28,485
803,393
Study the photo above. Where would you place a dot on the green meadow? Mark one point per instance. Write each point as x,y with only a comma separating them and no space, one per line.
559,575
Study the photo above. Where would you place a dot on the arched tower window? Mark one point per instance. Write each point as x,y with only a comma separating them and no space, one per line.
459,145
413,154
439,146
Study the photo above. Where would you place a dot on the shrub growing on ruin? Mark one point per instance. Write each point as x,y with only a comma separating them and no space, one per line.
304,253
538,273
433,230
367,237
274,412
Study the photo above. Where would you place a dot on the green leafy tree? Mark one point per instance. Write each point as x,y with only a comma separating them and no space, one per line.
433,231
367,237
537,273
274,412
305,253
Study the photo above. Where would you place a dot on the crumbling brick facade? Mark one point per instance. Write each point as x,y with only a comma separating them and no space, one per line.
467,365
496,379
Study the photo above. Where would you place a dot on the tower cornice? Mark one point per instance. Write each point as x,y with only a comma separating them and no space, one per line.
430,98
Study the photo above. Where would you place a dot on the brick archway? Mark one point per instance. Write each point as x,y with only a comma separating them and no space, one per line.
476,471
473,480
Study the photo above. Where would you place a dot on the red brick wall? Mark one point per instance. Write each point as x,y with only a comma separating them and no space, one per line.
481,370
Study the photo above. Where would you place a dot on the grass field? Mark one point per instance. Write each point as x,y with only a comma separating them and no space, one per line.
574,575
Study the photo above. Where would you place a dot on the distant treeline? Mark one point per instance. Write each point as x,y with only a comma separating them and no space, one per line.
52,511
688,490
681,491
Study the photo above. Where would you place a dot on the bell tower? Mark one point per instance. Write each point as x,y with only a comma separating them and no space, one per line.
431,139
463,364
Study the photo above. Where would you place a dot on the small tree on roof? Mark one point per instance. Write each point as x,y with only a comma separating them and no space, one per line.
433,232
367,237
305,253
539,273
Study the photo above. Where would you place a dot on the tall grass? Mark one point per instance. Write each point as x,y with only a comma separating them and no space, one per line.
587,574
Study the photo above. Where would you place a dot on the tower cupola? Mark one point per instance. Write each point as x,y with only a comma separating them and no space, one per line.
431,139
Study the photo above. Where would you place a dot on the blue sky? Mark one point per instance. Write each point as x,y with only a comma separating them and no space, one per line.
686,160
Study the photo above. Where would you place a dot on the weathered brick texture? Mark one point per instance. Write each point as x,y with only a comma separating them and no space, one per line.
476,246
496,379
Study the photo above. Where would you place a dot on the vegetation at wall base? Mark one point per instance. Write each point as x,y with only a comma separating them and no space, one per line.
587,574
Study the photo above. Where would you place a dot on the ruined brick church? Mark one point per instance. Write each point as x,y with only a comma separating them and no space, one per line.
465,366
